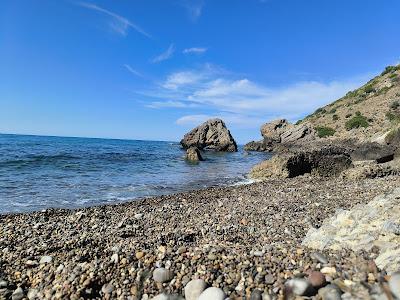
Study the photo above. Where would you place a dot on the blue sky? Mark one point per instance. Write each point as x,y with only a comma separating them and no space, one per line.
153,69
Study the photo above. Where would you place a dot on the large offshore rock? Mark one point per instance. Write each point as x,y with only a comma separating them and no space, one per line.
325,162
363,227
211,135
274,129
260,146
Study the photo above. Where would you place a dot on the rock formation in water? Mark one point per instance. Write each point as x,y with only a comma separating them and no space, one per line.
211,135
193,154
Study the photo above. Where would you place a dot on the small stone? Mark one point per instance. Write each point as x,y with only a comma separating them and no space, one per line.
319,257
114,258
269,279
167,297
3,284
32,293
162,275
45,259
328,270
256,295
194,288
31,263
299,286
394,284
18,294
317,279
139,254
138,216
330,292
212,293
107,288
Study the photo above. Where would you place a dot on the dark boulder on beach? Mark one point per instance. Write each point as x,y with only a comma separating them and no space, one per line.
211,135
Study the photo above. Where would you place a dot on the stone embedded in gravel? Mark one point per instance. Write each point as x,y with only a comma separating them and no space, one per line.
317,279
299,286
18,294
269,279
394,284
162,275
330,292
3,284
256,295
31,263
32,293
107,288
212,293
319,257
164,296
194,288
45,259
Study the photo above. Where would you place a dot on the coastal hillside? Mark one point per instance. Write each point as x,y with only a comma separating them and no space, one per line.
366,113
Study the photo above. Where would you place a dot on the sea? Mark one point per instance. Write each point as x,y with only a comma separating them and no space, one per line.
41,172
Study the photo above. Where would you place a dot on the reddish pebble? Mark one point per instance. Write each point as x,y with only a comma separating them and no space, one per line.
317,279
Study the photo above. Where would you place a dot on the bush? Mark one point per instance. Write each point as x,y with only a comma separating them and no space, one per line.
357,121
335,117
392,117
332,111
395,105
369,89
348,116
320,111
390,69
323,131
298,122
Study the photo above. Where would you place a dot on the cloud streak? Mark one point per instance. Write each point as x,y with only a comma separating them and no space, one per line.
167,54
118,24
194,8
194,50
133,71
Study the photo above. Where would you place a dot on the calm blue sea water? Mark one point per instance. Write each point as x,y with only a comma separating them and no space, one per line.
40,172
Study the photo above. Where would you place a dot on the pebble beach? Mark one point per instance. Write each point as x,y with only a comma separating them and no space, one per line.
244,241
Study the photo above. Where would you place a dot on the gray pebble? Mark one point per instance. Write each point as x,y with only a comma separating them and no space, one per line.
107,288
3,284
32,293
256,295
319,257
45,259
330,292
18,294
298,286
394,284
162,275
167,297
194,288
212,293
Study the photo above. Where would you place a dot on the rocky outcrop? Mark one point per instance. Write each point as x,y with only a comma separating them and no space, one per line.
259,146
372,169
193,154
325,162
373,151
303,132
211,135
375,224
281,132
273,130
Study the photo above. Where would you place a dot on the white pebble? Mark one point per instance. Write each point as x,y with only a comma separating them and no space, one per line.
212,293
194,288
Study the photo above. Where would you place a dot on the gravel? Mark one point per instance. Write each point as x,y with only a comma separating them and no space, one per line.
237,239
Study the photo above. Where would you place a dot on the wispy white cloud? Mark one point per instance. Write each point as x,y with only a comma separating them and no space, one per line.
167,54
132,70
117,23
194,8
194,50
242,101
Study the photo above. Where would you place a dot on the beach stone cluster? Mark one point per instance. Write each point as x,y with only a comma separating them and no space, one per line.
242,242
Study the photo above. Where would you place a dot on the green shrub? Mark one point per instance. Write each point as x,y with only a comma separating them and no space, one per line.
348,116
357,121
393,117
395,105
320,111
332,111
369,89
352,93
383,90
390,69
324,131
393,136
298,122
335,117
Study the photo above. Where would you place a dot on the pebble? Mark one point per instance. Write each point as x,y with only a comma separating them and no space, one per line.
256,295
330,292
299,286
317,279
164,296
18,294
328,271
194,288
162,275
139,254
114,258
319,257
212,293
32,293
45,259
3,284
107,288
394,284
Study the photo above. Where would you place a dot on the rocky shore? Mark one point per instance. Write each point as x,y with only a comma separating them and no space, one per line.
245,241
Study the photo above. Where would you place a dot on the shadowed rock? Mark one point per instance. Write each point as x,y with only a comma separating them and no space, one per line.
193,154
211,135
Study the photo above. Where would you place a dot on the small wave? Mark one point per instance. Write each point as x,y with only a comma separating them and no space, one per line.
37,159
